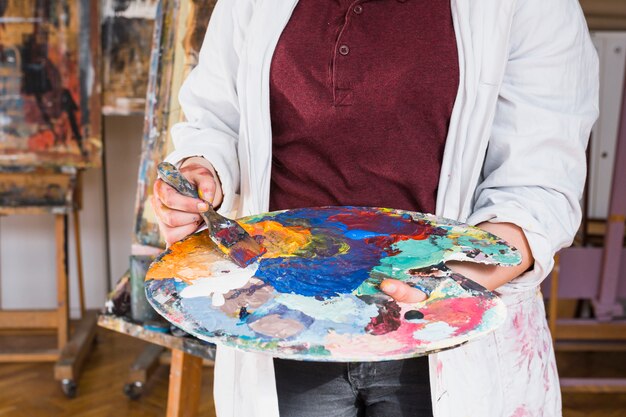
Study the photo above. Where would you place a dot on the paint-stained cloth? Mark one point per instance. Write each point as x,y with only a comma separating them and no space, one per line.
515,152
361,95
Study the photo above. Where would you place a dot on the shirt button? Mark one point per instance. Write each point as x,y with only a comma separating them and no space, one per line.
358,9
344,50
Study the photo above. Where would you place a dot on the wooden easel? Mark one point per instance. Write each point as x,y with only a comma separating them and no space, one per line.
188,356
64,189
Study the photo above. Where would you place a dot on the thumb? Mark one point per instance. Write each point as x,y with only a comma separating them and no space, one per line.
208,185
401,291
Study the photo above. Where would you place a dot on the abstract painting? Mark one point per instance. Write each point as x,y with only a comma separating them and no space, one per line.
127,29
314,295
180,29
49,100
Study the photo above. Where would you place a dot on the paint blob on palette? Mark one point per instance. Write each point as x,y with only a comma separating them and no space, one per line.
314,295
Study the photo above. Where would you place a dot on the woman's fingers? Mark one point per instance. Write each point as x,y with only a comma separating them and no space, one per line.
401,291
171,198
174,234
178,215
174,218
173,224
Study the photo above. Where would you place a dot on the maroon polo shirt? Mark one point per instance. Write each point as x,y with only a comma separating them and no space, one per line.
361,94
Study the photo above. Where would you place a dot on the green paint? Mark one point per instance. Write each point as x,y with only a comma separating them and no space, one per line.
414,254
318,351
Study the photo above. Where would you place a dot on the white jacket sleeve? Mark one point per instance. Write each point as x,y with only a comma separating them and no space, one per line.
209,101
535,165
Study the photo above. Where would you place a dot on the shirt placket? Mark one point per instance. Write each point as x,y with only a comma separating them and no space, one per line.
343,52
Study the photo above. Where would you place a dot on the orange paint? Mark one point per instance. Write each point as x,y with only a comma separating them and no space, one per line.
189,259
186,260
41,141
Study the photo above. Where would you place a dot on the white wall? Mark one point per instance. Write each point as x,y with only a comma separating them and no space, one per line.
123,150
27,245
611,47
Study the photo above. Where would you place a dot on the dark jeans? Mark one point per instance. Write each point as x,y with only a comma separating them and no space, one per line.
355,389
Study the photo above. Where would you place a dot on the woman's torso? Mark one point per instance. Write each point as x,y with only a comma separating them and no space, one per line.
361,94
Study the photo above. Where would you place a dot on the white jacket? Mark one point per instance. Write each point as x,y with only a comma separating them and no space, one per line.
515,152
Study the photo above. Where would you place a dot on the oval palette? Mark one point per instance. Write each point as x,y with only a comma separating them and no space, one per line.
314,294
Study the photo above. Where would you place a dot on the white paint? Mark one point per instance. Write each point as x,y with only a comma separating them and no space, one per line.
223,277
434,331
138,9
343,307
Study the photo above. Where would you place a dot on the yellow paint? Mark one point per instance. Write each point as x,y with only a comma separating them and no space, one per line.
280,241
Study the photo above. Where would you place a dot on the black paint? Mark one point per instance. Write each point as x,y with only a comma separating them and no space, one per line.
413,315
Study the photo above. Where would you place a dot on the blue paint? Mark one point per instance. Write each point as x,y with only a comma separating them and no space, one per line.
363,234
321,272
321,276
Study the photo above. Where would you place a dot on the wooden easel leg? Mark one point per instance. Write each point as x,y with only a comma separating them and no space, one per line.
79,262
74,353
61,272
69,365
185,382
141,370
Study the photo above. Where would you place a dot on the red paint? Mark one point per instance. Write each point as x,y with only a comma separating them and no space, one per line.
243,253
357,219
228,235
387,321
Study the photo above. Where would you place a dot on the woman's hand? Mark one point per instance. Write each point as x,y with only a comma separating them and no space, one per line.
489,276
178,215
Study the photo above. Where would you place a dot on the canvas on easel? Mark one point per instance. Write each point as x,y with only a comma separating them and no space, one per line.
49,101
49,112
49,132
179,30
127,27
181,25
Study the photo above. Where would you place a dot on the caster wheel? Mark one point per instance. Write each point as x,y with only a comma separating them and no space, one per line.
69,388
133,390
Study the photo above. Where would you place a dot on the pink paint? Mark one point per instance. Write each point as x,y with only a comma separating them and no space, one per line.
463,313
517,322
521,411
525,338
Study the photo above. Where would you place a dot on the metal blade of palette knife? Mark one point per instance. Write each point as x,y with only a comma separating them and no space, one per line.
227,234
